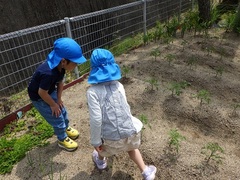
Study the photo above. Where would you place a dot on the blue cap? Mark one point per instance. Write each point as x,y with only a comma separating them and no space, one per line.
103,67
65,48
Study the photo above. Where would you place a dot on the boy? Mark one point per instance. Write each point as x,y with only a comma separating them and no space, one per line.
112,126
46,86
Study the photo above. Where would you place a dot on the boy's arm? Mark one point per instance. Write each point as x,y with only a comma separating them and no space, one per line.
48,99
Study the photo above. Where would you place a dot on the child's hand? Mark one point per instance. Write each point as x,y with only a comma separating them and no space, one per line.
56,110
99,148
60,103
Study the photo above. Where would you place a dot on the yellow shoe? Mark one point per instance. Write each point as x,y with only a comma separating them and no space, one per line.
72,133
68,144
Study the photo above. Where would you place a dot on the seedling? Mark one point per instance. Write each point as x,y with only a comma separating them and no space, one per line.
209,50
192,61
176,88
235,107
155,53
145,39
203,95
144,120
125,71
212,151
170,58
175,140
159,31
29,159
154,83
184,43
219,71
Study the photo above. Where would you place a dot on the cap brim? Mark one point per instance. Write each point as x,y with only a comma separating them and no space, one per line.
80,60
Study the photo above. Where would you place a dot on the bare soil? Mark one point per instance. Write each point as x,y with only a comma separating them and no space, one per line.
216,122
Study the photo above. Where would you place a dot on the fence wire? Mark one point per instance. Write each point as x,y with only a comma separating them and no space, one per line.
22,51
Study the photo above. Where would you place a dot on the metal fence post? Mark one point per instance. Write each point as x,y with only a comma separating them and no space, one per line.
69,34
144,17
193,4
180,10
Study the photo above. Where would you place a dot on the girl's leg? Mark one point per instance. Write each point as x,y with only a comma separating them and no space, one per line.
136,156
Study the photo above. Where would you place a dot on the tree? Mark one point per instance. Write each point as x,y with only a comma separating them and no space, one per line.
236,23
204,10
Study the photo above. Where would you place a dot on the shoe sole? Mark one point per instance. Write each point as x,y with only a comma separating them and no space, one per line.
67,149
73,137
97,166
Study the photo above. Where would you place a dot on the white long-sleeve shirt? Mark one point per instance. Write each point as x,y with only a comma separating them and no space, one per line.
110,115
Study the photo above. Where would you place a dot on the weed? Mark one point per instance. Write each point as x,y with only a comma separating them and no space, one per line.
13,149
212,151
29,159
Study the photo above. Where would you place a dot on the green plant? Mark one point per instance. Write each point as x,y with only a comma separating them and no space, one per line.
154,83
29,159
175,140
209,49
183,43
155,53
159,31
170,58
125,71
172,26
145,39
228,21
235,107
191,20
192,61
125,45
219,71
213,151
176,88
144,120
13,149
203,95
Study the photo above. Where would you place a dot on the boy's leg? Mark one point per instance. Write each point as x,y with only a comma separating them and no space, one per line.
71,132
58,123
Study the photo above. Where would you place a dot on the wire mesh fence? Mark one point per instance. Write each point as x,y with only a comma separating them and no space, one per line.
22,51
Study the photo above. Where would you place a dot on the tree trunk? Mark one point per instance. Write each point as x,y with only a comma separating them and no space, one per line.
204,10
236,24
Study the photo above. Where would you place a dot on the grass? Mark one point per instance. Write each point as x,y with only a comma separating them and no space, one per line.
17,140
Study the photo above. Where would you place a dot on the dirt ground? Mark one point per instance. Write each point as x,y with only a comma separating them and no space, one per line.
211,64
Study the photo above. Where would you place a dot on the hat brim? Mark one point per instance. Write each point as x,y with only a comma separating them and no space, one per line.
53,59
105,73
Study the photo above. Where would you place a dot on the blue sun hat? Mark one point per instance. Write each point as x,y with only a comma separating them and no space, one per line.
65,48
103,67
